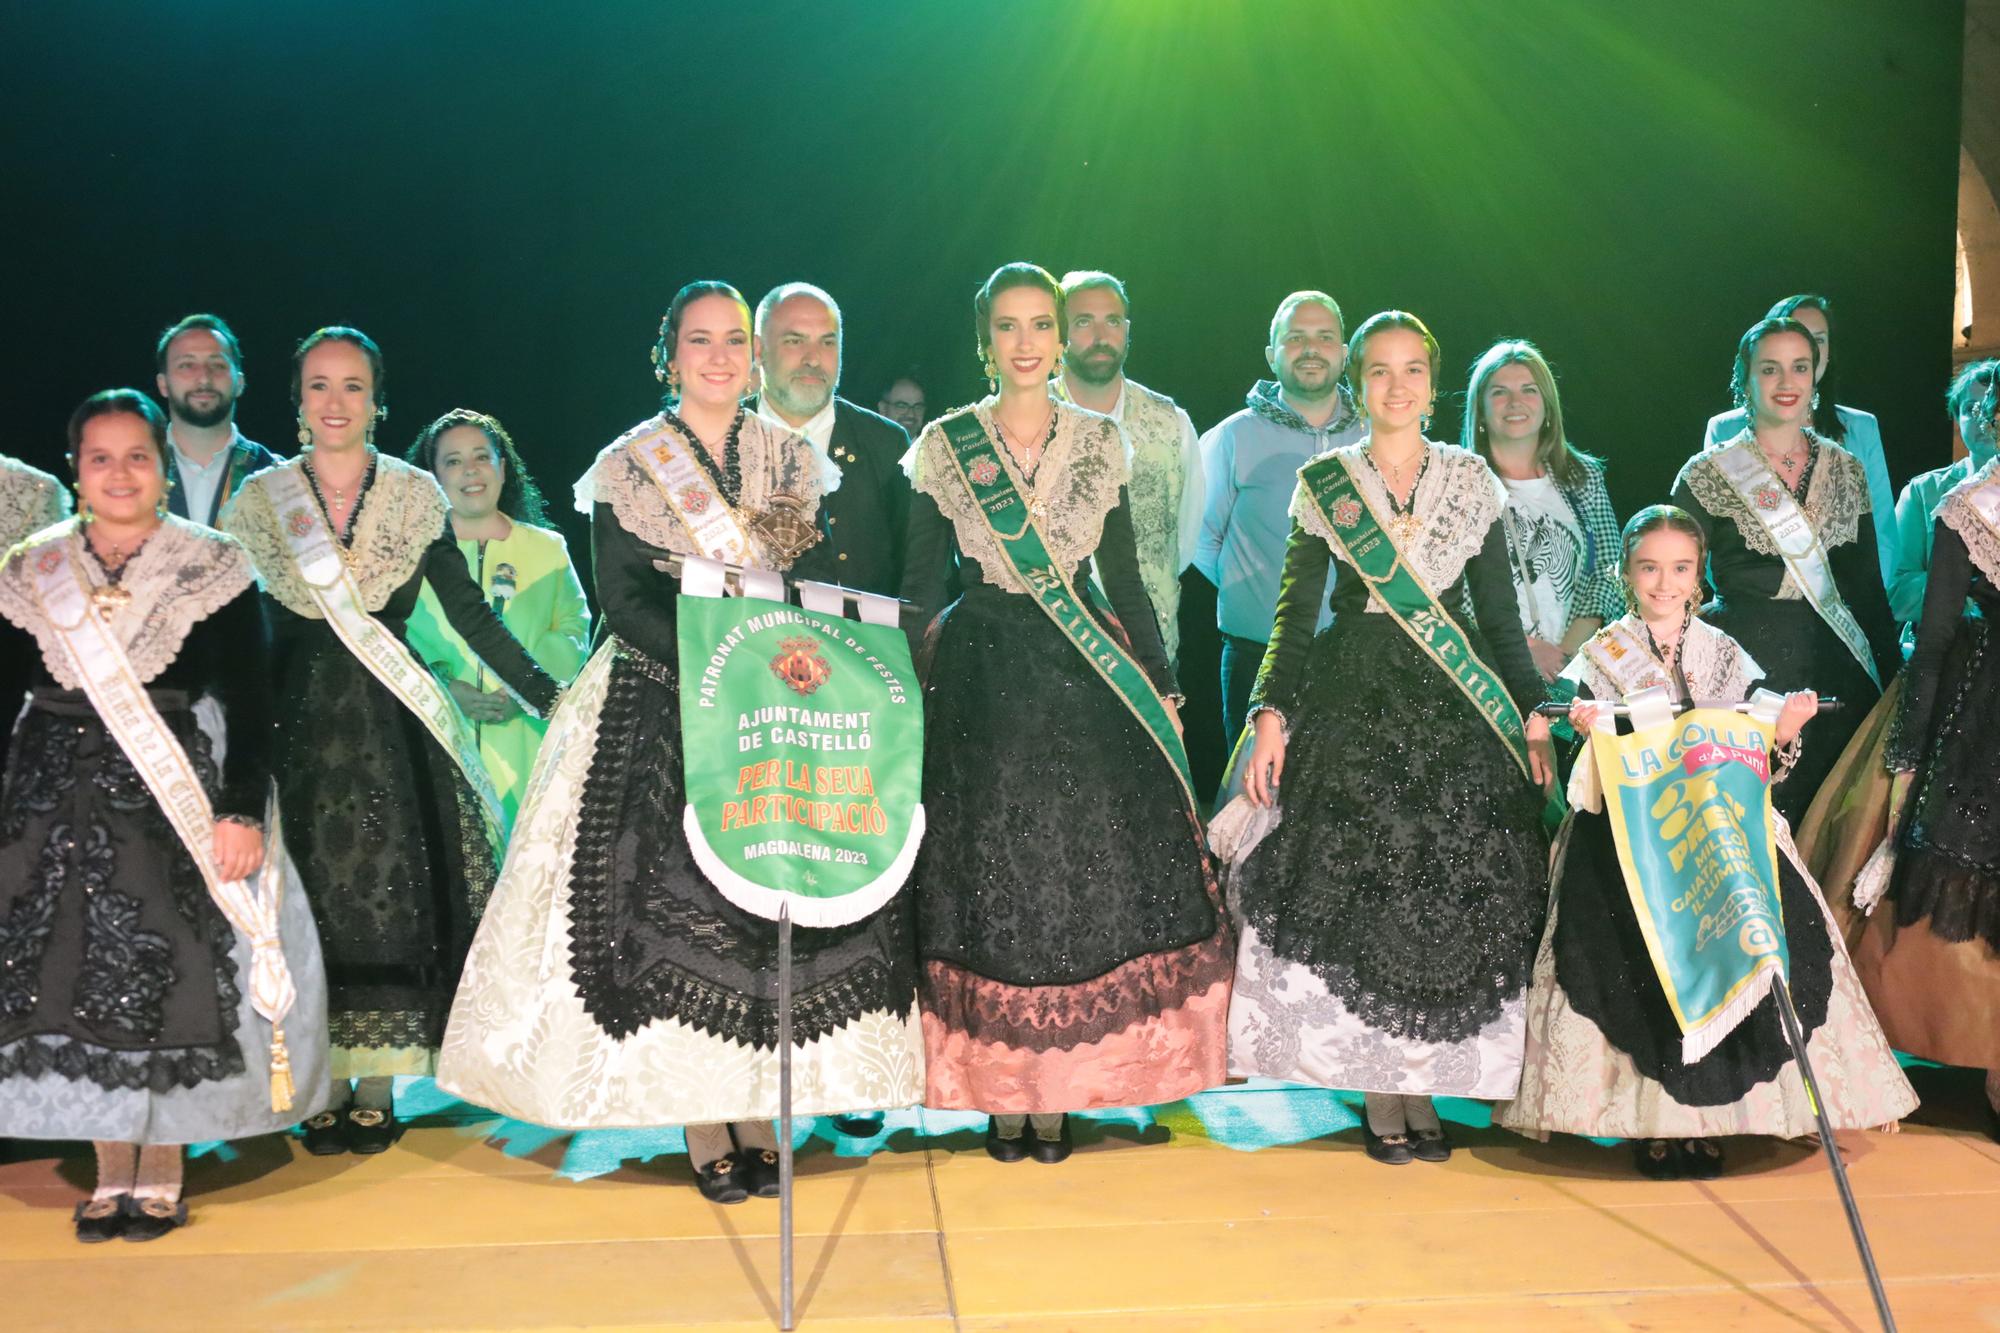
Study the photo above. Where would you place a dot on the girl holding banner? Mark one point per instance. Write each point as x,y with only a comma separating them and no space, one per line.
1791,549
1930,954
522,566
389,814
1390,918
162,980
613,985
1075,952
1622,1041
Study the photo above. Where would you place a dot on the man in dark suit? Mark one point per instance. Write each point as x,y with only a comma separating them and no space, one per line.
200,373
865,494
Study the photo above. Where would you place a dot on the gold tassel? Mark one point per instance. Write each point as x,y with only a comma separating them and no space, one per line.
281,1072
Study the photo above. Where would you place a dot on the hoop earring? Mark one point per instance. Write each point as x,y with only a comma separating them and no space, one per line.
305,432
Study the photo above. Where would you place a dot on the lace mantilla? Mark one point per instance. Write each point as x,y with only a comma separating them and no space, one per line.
774,462
1835,500
1959,512
1715,665
401,514
1457,499
183,574
1076,484
30,500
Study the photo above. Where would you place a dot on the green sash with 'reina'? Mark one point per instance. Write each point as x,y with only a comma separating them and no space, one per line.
1368,547
990,478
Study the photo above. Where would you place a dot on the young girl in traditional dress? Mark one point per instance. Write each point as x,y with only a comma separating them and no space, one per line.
130,921
1604,1049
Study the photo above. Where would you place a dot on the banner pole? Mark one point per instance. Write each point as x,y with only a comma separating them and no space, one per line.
785,1117
1795,1034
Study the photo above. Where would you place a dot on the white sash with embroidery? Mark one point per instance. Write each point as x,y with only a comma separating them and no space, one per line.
325,572
115,691
716,526
1742,464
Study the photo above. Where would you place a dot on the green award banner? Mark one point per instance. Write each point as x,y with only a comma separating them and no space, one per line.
1690,808
803,740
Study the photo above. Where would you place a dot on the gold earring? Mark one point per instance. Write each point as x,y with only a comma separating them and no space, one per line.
305,433
160,506
674,380
992,373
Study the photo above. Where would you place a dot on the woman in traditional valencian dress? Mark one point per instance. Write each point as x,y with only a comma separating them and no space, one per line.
1604,1049
136,867
30,500
1075,953
612,985
1390,918
1791,549
387,812
1930,953
522,565
1562,535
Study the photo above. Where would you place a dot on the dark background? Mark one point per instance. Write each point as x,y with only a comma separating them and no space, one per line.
506,195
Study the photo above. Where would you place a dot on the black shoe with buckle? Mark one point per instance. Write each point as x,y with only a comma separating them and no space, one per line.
760,1172
1656,1159
150,1219
1004,1149
101,1219
323,1136
1430,1145
370,1129
1391,1149
1700,1159
1050,1151
722,1180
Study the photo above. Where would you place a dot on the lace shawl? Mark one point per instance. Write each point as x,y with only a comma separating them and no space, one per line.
1458,499
774,462
30,500
401,514
1955,511
1835,499
184,573
1076,484
1716,666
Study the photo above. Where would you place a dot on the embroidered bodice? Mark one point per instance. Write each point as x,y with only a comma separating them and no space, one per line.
399,515
776,465
183,574
1835,499
1075,485
1457,500
1714,665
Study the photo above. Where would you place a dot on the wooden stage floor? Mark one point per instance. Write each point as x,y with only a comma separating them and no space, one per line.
1250,1208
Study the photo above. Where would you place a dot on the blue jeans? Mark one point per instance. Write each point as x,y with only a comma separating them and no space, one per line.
1241,659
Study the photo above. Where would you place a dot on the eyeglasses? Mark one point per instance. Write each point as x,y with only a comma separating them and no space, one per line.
901,405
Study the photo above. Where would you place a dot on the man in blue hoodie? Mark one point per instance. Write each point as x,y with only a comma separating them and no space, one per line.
1251,461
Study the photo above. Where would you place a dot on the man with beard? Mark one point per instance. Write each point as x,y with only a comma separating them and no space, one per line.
1252,461
1165,490
865,496
798,343
200,374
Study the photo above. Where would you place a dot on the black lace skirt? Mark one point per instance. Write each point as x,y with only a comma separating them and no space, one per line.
389,843
651,938
115,964
1057,846
1409,871
1948,868
1604,969
1798,652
